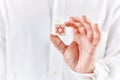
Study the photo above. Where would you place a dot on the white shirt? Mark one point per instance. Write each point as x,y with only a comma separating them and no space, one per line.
25,49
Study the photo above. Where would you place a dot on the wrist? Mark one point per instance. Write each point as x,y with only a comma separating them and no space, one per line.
85,69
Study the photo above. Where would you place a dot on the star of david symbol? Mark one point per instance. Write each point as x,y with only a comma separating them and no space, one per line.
60,29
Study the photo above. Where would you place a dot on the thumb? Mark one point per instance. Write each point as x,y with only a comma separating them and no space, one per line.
58,43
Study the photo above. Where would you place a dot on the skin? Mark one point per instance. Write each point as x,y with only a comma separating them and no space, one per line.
81,53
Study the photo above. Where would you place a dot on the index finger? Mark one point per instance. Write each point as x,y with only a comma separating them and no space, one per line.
70,24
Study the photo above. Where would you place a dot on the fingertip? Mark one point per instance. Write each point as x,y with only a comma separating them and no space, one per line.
67,24
84,16
71,18
97,27
96,24
86,20
52,37
75,19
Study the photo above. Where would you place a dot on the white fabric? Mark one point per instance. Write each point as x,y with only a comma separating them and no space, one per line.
25,49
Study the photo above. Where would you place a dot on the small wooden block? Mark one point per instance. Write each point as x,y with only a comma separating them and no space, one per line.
60,29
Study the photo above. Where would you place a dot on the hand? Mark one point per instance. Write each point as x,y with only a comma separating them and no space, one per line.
81,53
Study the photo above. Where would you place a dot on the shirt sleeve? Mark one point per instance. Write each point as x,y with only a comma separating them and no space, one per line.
78,76
107,68
2,49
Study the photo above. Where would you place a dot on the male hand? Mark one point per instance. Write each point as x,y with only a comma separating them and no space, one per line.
81,53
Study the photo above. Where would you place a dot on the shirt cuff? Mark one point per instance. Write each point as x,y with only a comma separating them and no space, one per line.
79,76
101,70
